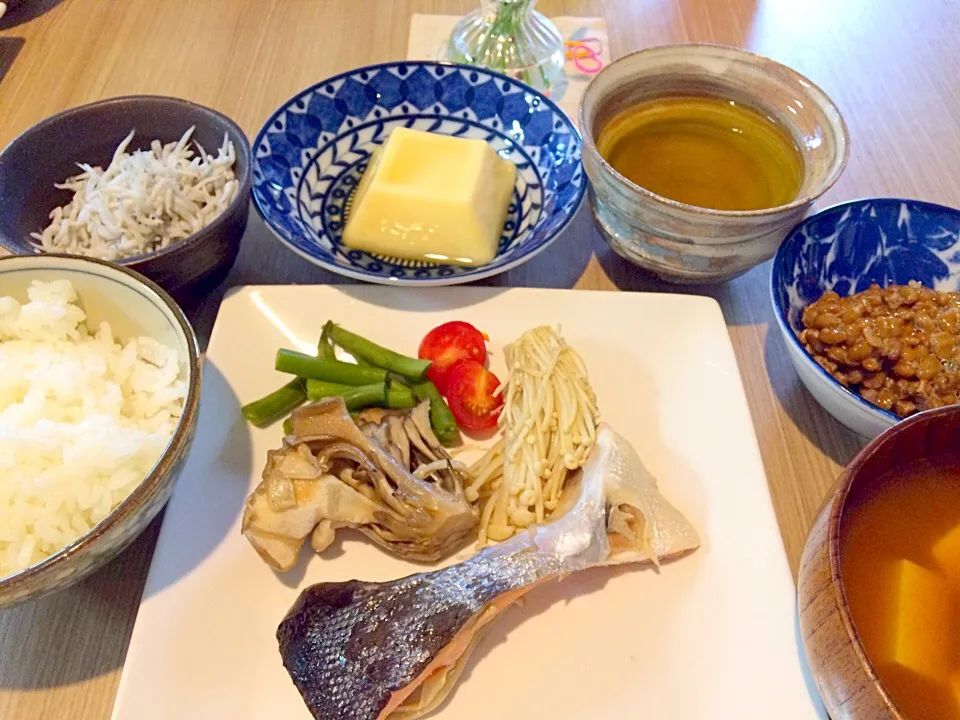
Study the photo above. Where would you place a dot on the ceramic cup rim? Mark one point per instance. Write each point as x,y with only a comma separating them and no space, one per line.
810,89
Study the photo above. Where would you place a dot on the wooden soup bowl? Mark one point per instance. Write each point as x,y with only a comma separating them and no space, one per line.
844,676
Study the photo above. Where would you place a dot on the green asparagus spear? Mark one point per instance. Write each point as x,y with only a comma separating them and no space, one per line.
288,426
356,397
364,396
277,404
282,402
320,389
399,396
441,419
325,346
381,357
317,368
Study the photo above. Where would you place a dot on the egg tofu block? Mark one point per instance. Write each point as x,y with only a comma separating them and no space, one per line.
920,638
946,551
433,198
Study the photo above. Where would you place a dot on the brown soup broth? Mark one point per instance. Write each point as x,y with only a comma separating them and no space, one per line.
899,519
704,151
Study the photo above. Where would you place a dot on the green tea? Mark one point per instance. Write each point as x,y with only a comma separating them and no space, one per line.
704,151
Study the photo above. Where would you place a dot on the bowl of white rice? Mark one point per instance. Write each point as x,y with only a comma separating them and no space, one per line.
99,391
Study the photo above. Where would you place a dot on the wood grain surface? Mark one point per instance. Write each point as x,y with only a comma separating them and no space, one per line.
891,65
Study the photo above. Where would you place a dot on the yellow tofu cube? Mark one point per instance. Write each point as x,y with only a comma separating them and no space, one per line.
920,635
430,197
946,552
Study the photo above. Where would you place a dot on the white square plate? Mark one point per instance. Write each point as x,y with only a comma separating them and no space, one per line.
713,635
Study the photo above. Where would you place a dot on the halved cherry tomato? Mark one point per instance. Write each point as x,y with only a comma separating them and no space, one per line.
470,395
448,344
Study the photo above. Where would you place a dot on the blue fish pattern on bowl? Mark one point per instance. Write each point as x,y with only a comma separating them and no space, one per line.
310,155
849,247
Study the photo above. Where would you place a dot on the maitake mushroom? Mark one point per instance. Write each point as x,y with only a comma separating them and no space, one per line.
385,474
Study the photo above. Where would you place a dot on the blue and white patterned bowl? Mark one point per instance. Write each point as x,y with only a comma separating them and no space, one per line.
846,249
311,153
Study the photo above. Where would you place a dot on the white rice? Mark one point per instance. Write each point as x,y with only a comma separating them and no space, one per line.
83,419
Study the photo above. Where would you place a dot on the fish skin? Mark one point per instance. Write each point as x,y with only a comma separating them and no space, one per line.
347,656
350,646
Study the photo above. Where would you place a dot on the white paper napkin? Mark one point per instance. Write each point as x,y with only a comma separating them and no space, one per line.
429,33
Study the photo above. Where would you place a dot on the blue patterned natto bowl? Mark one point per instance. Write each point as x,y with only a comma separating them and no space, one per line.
847,248
311,153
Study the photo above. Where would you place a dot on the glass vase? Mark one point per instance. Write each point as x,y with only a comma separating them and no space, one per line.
509,36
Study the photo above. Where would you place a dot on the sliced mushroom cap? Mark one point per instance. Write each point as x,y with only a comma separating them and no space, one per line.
338,475
399,439
278,535
409,433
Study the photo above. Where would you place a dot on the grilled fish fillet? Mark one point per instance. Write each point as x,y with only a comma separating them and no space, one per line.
370,651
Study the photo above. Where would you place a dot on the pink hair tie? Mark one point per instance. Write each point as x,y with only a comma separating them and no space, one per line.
585,55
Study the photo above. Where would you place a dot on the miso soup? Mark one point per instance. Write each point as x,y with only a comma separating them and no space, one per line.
900,566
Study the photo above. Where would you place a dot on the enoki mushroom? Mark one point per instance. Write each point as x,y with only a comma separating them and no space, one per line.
549,423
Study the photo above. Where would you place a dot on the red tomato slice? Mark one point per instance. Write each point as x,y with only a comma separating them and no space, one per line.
470,395
448,344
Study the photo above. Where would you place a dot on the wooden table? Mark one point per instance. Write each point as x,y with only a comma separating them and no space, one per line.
891,65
